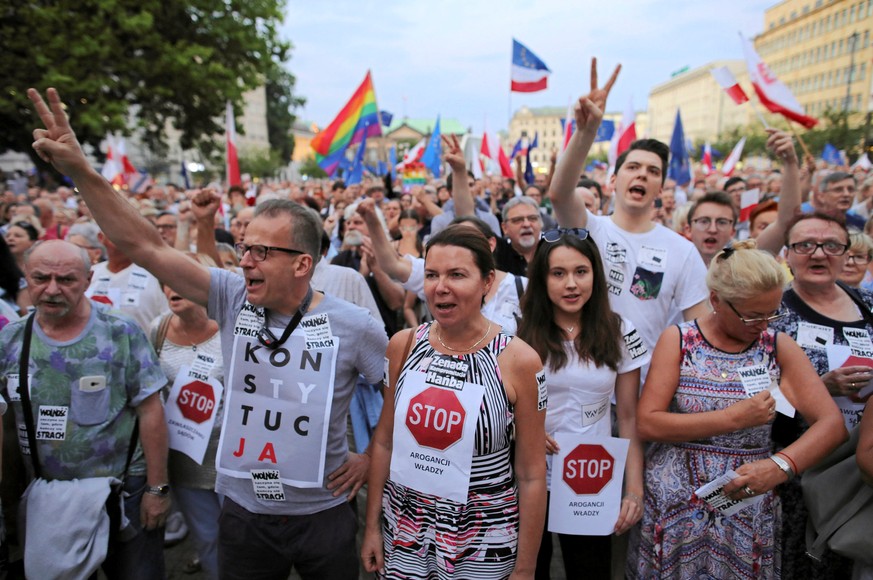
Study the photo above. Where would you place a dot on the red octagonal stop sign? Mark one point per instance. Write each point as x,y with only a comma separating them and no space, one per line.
588,468
196,401
436,418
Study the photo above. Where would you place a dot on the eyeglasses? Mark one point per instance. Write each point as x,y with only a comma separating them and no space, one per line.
721,224
518,220
841,189
166,226
259,252
552,236
859,258
754,321
828,248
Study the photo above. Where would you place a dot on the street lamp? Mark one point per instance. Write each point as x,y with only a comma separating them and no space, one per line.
853,43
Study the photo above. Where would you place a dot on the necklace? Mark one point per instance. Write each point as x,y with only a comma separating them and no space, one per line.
187,336
471,347
570,329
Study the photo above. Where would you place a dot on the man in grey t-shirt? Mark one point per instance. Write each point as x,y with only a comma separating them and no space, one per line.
291,356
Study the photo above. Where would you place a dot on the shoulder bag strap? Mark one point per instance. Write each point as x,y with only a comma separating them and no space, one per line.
24,394
161,335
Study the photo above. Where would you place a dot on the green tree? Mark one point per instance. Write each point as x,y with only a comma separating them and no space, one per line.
281,103
260,162
158,62
310,168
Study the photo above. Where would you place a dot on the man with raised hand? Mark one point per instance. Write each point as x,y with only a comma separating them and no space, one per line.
291,358
652,272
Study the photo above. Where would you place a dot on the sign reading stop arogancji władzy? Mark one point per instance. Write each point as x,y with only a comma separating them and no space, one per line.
434,429
586,486
191,410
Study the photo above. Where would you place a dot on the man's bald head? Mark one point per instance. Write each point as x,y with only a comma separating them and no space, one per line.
58,250
58,274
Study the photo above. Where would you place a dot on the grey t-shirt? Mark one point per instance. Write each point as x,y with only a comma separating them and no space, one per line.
362,350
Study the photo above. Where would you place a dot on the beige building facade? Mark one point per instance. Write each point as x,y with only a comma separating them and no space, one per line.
706,110
546,122
822,50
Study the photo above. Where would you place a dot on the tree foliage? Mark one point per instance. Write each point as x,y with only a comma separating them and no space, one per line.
843,131
149,63
281,103
310,168
260,162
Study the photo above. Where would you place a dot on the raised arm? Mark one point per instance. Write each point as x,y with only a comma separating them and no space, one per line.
569,209
204,205
782,145
119,220
392,264
461,194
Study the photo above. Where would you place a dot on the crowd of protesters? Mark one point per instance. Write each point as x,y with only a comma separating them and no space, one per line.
620,280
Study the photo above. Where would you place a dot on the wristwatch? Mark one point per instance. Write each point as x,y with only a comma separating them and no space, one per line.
162,490
783,465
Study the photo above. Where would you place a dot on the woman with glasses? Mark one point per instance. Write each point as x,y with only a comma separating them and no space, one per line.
591,355
858,258
821,311
707,406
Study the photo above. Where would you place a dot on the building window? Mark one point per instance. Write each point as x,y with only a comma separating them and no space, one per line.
862,71
840,49
866,41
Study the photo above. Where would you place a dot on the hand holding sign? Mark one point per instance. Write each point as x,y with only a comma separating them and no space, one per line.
753,411
847,380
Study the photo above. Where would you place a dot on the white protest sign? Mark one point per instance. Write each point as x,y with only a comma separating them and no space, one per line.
586,487
434,429
190,411
277,411
847,356
712,494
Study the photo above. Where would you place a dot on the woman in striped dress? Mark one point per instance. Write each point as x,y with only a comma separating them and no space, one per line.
444,500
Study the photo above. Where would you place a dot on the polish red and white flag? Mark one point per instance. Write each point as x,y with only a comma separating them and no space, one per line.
726,79
730,163
231,159
772,92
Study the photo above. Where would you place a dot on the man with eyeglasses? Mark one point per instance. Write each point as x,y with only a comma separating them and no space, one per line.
291,356
711,223
522,224
836,195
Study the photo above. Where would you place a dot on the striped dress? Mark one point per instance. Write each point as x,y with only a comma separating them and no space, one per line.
680,536
429,537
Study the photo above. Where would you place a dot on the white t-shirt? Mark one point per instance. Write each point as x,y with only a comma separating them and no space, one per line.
133,291
651,276
580,385
502,308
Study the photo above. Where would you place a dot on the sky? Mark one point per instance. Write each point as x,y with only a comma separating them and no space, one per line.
453,57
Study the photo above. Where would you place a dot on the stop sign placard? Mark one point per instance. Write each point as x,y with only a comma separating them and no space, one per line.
436,418
196,401
588,468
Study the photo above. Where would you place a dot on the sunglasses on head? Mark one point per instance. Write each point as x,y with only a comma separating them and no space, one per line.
552,236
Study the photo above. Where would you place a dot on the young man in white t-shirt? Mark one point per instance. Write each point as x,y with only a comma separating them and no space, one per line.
652,272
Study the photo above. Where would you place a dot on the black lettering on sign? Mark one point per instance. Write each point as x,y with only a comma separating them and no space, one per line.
280,357
315,363
52,412
250,351
634,343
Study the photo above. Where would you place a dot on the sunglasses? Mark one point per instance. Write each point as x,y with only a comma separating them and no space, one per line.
552,236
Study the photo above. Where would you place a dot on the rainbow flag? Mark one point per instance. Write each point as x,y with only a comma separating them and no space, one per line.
359,116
